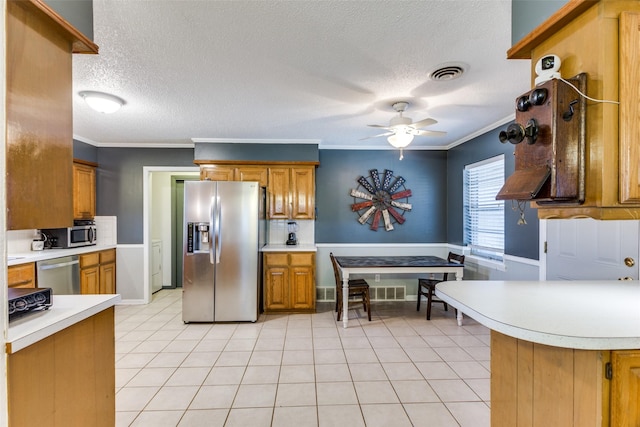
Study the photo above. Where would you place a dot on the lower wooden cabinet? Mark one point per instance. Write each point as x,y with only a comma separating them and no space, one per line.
537,385
289,282
98,272
22,276
66,379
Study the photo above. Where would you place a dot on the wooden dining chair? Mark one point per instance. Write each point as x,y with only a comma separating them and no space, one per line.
357,288
427,287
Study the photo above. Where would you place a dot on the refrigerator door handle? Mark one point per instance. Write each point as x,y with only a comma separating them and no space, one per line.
218,231
214,228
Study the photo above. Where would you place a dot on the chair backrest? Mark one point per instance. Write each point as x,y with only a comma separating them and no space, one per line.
336,273
453,258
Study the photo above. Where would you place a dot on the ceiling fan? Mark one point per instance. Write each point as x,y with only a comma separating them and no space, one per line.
401,130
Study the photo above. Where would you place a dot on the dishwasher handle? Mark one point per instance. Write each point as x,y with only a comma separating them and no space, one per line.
59,265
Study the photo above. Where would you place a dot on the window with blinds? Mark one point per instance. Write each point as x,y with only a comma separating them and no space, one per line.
483,214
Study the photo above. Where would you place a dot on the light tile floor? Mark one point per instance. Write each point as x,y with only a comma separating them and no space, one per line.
300,369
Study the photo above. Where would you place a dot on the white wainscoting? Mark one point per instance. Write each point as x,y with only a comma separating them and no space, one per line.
130,272
512,268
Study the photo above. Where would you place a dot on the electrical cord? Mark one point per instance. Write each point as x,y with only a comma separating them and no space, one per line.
588,97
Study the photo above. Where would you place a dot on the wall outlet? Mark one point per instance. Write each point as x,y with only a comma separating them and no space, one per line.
377,279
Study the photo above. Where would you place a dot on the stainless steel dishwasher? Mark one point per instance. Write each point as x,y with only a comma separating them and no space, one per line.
62,275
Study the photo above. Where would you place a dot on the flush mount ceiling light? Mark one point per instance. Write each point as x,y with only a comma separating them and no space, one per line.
102,102
401,130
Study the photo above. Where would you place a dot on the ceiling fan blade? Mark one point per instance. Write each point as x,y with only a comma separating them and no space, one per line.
424,122
379,126
430,133
375,136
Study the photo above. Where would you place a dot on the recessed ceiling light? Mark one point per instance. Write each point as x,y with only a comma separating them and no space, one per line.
102,102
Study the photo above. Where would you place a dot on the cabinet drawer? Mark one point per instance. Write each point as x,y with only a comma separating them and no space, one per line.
276,259
22,275
108,256
88,260
305,258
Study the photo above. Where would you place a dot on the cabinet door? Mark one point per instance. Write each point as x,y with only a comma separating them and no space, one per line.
84,191
278,191
629,126
108,278
302,192
39,120
302,288
216,173
90,280
252,173
276,286
22,276
625,388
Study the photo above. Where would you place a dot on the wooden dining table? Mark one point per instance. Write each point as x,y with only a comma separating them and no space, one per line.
427,264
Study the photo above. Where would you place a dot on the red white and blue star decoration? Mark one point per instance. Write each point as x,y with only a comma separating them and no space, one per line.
385,199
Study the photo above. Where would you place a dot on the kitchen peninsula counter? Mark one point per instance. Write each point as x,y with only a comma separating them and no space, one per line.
563,353
66,311
62,363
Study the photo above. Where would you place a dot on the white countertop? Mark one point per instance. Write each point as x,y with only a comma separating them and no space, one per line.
588,315
66,310
33,256
290,248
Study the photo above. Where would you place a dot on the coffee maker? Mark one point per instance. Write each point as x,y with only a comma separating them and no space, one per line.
293,228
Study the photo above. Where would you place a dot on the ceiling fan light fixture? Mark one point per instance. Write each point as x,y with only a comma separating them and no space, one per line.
102,102
400,140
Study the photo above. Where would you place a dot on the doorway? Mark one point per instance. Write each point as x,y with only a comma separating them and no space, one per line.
177,215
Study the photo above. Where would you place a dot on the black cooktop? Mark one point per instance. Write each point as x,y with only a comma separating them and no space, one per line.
27,300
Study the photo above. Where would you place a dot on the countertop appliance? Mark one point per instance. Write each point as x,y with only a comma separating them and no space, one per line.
224,229
61,274
291,238
81,234
27,300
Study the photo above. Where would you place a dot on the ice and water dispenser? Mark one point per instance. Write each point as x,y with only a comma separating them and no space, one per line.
198,237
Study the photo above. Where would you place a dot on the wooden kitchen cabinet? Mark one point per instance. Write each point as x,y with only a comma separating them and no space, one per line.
66,379
289,282
98,272
84,190
599,38
538,385
39,115
22,276
216,172
234,173
251,173
291,192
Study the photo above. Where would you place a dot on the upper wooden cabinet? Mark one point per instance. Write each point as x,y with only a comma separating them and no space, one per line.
39,139
290,187
84,190
600,38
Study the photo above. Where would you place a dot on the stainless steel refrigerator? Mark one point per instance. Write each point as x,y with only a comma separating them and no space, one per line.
224,229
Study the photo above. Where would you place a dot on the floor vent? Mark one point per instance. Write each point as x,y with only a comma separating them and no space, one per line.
388,293
325,294
381,293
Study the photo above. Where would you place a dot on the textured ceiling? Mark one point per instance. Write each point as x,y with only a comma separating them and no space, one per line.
295,70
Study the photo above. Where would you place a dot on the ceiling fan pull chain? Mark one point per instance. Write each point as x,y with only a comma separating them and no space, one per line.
401,154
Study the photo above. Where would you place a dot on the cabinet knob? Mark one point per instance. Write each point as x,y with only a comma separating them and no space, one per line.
629,262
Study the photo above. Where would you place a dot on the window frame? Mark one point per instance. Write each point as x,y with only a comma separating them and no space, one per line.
483,243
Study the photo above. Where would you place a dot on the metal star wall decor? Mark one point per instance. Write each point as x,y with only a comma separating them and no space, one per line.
383,196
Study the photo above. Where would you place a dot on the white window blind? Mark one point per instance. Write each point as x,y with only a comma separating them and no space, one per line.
483,214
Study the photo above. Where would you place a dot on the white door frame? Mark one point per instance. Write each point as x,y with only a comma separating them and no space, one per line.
147,171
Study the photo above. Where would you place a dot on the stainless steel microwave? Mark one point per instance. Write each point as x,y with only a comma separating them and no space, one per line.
71,237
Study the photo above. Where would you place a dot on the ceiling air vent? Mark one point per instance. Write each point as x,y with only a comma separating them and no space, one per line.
448,72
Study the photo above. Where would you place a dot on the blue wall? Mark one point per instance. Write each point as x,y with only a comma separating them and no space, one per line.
520,240
425,175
